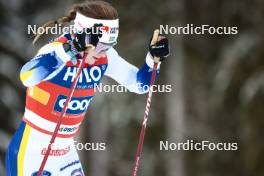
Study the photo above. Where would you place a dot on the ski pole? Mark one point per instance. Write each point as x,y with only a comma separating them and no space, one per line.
147,108
55,133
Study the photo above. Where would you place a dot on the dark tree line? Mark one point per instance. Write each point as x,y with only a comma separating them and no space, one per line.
217,81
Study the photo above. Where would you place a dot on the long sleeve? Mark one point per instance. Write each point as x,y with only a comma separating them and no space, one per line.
134,79
45,65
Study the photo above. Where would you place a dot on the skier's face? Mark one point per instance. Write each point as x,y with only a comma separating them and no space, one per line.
103,47
98,52
93,56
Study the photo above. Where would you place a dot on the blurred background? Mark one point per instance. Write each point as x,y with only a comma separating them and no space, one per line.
217,87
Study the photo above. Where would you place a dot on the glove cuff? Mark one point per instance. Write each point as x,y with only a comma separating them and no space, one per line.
150,61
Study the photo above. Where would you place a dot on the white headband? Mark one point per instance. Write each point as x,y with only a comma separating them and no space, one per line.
109,30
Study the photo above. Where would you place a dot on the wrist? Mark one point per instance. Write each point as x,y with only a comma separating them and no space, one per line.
150,61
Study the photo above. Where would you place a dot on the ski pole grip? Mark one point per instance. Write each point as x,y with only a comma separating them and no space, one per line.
154,40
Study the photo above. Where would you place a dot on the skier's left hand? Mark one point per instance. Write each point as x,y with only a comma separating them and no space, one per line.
161,49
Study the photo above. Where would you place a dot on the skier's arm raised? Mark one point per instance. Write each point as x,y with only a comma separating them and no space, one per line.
134,79
46,63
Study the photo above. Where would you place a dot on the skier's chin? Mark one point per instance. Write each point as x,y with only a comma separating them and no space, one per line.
93,57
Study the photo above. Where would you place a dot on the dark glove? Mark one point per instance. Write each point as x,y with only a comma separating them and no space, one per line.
87,36
161,49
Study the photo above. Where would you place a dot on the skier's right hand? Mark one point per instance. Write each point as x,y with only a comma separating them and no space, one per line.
89,36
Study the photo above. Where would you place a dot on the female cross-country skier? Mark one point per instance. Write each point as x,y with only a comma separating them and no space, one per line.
49,77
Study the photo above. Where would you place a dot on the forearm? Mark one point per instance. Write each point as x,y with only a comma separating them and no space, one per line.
145,73
134,79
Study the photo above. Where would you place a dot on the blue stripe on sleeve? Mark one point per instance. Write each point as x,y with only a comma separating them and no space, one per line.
144,77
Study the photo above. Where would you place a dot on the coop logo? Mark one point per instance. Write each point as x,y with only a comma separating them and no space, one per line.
44,173
77,105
